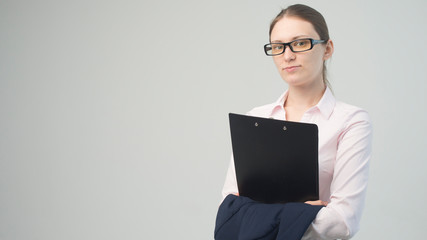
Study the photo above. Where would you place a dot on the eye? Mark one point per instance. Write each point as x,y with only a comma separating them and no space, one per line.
277,47
299,43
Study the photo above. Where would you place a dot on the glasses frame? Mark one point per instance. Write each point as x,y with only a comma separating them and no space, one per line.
313,42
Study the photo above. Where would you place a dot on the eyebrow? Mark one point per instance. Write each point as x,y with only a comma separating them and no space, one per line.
292,39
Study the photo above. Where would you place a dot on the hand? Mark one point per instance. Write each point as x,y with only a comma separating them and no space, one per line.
317,203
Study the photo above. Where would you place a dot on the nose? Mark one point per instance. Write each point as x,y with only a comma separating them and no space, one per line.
288,54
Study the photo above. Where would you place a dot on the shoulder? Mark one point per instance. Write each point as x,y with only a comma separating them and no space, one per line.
354,120
262,111
350,113
267,109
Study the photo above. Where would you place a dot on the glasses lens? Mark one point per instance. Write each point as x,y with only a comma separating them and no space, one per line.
274,49
301,45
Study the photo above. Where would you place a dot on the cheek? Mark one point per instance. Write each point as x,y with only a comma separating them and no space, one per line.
317,62
277,62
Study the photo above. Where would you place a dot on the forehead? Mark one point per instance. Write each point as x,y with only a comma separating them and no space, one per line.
291,28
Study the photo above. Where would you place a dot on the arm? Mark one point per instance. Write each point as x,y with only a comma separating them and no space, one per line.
230,185
341,217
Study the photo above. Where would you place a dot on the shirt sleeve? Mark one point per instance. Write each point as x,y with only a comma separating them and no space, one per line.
230,185
340,219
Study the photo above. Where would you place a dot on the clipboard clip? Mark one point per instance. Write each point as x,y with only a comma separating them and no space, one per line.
284,127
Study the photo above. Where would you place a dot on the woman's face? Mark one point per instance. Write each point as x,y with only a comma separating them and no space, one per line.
301,68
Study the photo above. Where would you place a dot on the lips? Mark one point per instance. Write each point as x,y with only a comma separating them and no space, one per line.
291,68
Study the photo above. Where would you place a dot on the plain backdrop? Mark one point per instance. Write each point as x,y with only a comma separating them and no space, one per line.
113,114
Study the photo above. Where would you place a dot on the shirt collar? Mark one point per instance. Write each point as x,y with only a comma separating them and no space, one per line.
325,105
279,103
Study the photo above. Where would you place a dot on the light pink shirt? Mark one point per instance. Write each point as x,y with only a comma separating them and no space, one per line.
345,136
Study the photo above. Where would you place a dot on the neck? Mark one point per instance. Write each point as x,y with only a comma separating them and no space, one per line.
304,97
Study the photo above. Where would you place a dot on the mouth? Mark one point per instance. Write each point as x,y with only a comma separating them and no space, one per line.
290,68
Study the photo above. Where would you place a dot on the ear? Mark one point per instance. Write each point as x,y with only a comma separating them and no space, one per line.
329,50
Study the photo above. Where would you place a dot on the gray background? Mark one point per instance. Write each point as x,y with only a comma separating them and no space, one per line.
113,114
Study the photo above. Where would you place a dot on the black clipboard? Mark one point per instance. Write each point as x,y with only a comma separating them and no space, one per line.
276,161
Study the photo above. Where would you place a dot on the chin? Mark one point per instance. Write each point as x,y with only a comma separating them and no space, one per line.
296,81
293,81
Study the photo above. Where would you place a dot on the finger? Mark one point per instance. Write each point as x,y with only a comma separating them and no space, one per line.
317,203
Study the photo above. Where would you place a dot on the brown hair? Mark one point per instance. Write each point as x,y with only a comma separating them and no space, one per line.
310,15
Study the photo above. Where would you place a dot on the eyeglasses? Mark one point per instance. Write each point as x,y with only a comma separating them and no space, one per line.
299,45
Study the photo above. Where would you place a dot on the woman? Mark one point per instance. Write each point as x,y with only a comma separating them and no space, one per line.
300,45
